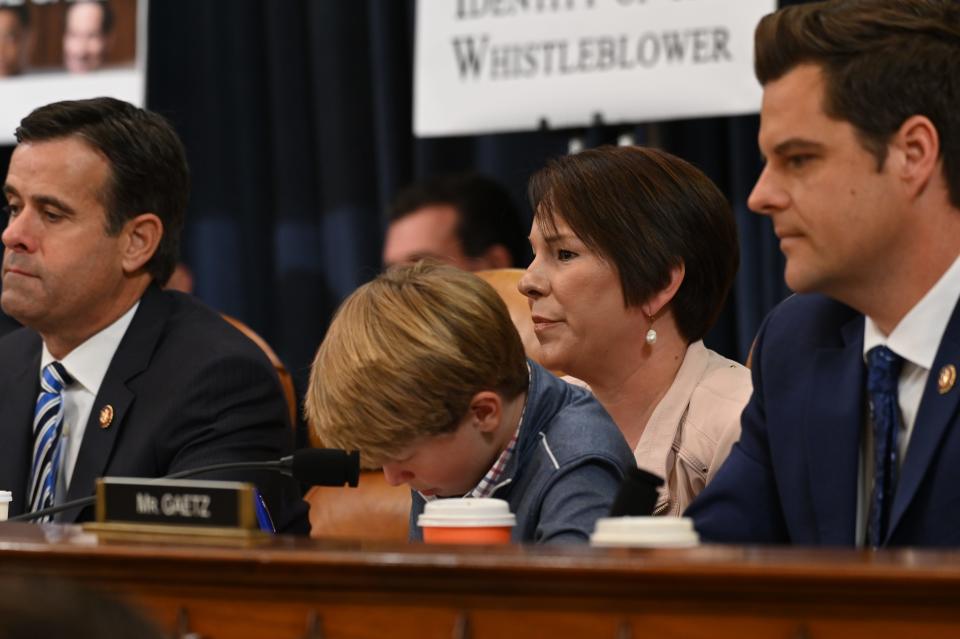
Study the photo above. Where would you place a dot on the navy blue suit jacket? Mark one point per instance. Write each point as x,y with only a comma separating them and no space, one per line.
187,390
792,477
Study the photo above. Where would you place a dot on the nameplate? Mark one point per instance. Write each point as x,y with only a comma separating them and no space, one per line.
176,502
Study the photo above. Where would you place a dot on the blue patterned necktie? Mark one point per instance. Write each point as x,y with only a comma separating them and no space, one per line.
883,375
47,425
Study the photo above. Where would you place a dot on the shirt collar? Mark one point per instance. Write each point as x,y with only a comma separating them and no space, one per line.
491,481
917,337
88,363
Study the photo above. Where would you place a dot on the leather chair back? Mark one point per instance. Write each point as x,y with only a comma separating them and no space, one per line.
286,380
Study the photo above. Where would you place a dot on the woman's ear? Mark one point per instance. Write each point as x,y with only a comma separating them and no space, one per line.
658,300
141,236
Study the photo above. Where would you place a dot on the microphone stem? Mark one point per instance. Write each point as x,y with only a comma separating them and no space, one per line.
67,505
281,466
267,465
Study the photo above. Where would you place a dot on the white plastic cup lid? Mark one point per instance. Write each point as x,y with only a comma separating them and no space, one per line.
466,512
6,496
673,532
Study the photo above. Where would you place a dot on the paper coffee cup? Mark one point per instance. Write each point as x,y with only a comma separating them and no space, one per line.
5,498
645,532
467,521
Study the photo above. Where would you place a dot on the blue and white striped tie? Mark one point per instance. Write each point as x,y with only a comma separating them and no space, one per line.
47,424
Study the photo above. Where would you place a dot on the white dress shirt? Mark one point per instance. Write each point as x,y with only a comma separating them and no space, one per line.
916,339
87,364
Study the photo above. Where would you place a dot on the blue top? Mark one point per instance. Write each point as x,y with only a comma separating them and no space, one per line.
566,469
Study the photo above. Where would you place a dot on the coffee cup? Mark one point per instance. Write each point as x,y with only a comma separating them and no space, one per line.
5,498
645,532
467,521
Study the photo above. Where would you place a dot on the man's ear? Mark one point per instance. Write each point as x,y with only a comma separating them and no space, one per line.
141,237
497,256
486,409
917,148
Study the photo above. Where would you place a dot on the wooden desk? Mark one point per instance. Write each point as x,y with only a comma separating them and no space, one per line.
302,588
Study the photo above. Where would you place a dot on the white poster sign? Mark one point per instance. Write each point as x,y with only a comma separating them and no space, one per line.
68,50
485,66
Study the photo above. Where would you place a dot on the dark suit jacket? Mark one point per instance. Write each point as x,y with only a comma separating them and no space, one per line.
792,477
187,390
7,324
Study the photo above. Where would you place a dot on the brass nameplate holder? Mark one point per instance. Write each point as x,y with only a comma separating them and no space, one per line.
215,510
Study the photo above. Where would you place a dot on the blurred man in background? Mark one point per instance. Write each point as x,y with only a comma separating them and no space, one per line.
466,220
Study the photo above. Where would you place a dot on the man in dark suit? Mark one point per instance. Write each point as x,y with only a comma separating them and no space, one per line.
111,375
852,436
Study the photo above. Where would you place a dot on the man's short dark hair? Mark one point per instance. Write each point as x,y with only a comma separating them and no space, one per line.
646,212
883,61
148,167
487,214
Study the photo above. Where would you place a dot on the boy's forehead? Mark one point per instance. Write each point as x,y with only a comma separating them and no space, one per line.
403,451
396,452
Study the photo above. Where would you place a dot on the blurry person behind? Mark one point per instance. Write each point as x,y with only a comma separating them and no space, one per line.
34,607
467,220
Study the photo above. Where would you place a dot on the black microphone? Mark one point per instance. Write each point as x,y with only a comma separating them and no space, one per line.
313,466
324,466
637,495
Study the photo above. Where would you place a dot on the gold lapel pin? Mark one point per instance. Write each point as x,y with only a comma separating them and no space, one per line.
106,416
948,376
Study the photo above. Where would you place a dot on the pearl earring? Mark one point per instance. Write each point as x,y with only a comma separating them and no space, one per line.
651,337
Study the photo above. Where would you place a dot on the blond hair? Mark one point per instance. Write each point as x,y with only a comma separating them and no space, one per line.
404,356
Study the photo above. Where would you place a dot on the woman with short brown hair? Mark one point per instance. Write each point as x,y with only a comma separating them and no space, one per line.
636,251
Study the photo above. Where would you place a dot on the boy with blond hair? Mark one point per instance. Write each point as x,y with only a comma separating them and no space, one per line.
424,373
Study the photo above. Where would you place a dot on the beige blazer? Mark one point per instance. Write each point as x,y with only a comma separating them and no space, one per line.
694,426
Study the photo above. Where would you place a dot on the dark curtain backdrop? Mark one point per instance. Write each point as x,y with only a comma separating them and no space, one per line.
297,116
